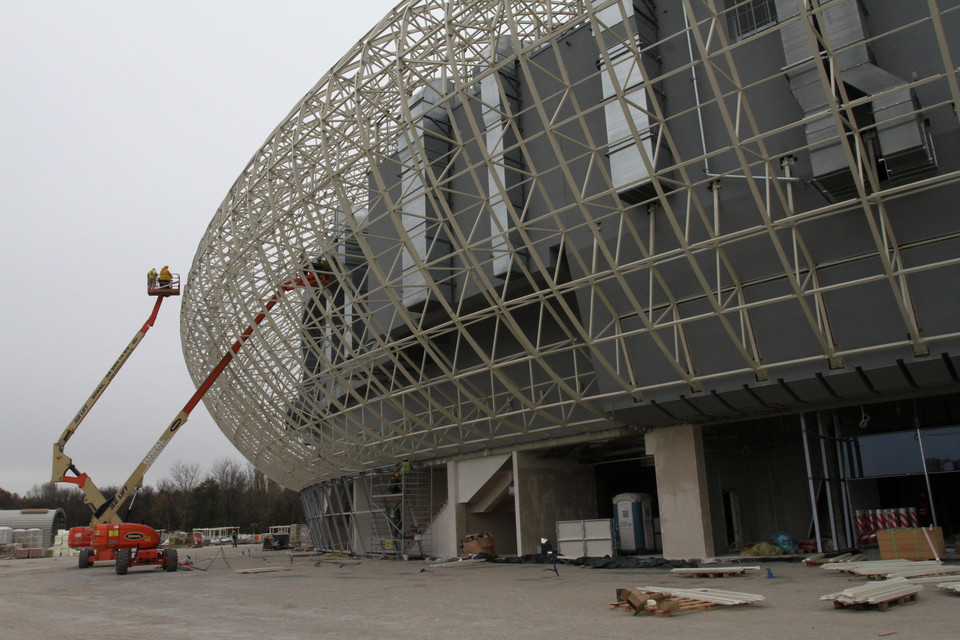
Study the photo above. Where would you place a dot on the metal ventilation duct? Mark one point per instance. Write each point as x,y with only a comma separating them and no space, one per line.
423,152
500,97
904,149
632,113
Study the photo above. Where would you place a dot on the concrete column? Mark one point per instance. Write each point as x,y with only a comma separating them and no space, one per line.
682,490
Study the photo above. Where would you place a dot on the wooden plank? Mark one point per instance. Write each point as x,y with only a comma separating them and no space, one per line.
894,589
262,570
712,596
457,563
934,579
924,571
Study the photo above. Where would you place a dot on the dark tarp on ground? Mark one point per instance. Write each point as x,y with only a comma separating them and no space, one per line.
607,562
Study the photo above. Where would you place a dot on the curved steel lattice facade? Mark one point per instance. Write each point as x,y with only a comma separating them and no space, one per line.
545,219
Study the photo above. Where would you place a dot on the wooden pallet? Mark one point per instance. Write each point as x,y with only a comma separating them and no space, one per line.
665,602
882,605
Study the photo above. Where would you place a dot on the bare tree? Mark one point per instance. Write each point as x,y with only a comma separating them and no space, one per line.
233,482
184,478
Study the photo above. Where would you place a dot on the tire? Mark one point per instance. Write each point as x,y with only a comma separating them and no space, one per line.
85,558
123,561
171,556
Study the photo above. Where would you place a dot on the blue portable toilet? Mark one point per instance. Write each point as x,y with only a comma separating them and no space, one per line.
634,518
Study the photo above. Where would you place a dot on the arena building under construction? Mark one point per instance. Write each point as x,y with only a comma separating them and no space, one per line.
700,256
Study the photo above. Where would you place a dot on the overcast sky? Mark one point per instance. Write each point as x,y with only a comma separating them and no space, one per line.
124,123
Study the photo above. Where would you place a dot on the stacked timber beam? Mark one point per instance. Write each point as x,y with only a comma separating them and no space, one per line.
822,559
879,594
880,569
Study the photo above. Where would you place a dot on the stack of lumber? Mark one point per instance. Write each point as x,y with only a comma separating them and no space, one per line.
882,568
950,586
922,572
822,559
713,571
666,601
879,594
937,579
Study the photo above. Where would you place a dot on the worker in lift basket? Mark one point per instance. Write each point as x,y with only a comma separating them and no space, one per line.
165,277
152,278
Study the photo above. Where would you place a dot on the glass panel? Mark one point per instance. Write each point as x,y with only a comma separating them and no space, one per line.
942,447
892,454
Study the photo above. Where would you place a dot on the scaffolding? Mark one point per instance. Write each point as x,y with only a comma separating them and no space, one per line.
379,512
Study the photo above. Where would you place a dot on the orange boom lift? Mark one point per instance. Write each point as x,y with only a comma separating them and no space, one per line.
108,537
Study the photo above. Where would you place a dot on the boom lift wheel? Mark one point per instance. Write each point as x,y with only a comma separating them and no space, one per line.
171,555
84,558
123,561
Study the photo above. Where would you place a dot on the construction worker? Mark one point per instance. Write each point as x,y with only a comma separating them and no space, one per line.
396,518
165,277
405,467
152,278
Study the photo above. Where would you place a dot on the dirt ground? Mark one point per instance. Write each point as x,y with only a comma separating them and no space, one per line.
51,597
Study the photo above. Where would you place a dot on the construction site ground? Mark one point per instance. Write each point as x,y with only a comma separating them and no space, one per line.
294,596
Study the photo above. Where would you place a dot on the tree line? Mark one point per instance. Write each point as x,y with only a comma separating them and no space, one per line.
229,495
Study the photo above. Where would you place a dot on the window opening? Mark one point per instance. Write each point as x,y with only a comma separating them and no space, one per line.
747,17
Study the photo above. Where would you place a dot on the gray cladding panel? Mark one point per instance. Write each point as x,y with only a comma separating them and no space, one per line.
783,332
937,314
864,315
711,345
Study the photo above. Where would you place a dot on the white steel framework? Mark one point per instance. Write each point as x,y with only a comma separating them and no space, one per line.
380,365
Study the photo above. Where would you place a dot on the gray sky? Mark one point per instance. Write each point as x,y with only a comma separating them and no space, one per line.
122,126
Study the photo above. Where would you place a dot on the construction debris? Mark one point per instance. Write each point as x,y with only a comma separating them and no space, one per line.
262,570
664,601
713,572
458,563
878,594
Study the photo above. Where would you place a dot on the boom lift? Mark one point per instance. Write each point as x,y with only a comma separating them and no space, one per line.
108,537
